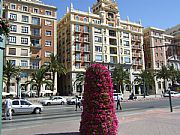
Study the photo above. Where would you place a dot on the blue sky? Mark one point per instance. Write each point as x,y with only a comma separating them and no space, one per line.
158,13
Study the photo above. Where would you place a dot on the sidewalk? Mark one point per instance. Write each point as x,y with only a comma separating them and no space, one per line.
151,122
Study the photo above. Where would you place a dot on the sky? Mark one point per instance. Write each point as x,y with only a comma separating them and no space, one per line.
162,14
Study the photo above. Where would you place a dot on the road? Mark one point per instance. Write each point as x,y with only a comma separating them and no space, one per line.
67,113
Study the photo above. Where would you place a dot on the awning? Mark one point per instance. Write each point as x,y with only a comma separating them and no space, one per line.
46,91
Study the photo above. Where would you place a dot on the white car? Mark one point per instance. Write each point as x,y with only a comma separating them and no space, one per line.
72,101
173,94
25,106
54,100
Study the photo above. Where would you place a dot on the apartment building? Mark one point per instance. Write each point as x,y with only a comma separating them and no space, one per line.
99,36
156,46
174,50
32,37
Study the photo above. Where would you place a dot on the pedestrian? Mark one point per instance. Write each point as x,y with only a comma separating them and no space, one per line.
8,108
78,103
119,102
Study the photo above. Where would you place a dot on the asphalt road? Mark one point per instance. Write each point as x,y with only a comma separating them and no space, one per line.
68,113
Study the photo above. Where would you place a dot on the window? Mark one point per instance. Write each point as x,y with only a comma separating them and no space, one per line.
48,22
98,39
13,28
127,52
23,75
24,52
48,13
77,47
24,63
35,32
24,29
159,85
48,33
85,19
25,8
35,21
47,54
77,18
77,65
112,41
98,48
13,62
86,47
112,33
36,10
48,43
77,28
77,37
13,6
86,29
24,103
25,18
15,102
86,38
12,39
24,40
78,56
126,43
86,57
35,42
126,59
13,16
97,30
98,57
125,35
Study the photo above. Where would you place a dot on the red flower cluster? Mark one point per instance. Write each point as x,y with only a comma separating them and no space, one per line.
4,27
98,116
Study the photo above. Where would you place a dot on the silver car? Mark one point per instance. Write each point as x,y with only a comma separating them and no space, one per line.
25,106
54,100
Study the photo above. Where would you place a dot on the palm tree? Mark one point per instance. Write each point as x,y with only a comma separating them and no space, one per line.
9,70
146,77
38,79
55,67
80,79
164,74
173,74
120,76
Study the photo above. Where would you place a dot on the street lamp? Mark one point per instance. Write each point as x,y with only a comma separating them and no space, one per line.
18,89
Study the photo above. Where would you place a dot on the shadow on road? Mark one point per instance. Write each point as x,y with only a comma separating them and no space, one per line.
70,133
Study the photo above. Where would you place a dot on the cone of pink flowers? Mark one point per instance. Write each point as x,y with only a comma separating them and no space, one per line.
98,116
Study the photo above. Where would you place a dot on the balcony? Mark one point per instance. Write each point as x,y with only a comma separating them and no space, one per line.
35,35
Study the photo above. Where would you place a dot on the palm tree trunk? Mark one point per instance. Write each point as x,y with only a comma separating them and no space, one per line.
8,85
52,88
39,89
122,87
164,85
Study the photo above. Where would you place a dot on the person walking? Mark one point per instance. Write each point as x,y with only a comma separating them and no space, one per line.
8,109
119,102
78,104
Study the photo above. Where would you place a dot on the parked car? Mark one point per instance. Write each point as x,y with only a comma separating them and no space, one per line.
173,94
115,96
54,100
24,106
72,101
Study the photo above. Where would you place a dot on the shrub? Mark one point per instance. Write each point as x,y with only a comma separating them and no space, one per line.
98,116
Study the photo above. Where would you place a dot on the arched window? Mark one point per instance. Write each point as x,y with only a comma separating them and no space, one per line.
77,18
85,19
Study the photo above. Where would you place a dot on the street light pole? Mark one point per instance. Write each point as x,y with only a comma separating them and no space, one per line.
18,89
2,47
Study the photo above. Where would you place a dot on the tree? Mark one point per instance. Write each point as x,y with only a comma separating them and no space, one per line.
120,76
9,71
146,77
164,74
99,115
79,79
38,79
173,74
55,67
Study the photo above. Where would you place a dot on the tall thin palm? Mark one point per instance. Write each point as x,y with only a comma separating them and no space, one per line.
55,67
120,76
164,74
38,79
9,71
173,74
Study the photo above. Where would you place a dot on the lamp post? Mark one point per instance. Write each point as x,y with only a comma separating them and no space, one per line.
2,47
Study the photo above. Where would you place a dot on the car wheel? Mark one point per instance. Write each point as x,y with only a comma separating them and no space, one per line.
12,111
37,110
48,103
62,103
